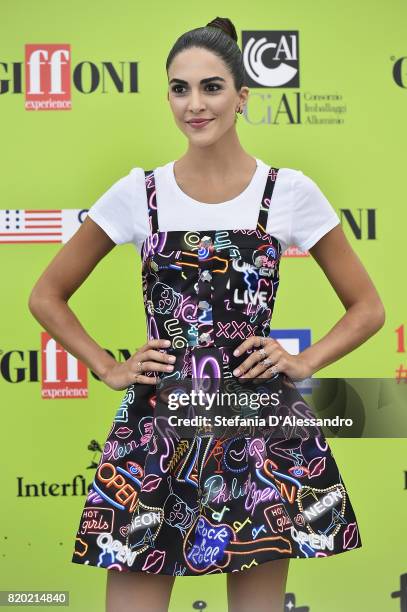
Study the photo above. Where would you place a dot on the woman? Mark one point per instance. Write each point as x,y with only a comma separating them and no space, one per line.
162,506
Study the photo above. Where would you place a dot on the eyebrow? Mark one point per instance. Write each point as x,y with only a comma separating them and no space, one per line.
202,81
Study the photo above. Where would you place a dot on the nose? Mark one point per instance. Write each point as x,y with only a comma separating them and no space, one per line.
196,102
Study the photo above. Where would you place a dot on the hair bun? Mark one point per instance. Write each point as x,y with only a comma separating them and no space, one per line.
223,23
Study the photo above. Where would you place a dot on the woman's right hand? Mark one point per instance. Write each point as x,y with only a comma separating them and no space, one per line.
121,375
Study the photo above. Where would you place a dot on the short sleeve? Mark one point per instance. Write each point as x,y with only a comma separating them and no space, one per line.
122,210
312,214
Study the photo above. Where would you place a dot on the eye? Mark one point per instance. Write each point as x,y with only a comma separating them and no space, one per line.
176,88
214,85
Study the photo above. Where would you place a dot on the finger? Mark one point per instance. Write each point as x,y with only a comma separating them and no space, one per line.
279,365
269,373
246,344
158,343
248,363
259,354
264,352
155,355
153,366
141,379
256,371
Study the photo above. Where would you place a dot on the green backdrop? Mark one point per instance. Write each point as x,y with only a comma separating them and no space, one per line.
64,160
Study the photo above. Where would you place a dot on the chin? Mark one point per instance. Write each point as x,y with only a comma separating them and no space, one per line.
204,142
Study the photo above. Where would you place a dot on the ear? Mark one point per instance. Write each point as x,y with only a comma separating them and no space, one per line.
244,94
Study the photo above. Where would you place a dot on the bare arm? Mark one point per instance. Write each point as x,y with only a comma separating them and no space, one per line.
365,313
63,276
364,316
48,303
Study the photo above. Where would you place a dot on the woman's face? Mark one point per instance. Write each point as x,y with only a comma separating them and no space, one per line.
200,86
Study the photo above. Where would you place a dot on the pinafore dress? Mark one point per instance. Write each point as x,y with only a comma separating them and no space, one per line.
206,503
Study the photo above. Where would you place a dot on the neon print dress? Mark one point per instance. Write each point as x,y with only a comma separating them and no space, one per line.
202,504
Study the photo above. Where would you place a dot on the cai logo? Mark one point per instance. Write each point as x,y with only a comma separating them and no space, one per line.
271,58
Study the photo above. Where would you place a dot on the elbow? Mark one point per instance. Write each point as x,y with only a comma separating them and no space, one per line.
36,303
372,316
33,303
41,301
377,316
381,316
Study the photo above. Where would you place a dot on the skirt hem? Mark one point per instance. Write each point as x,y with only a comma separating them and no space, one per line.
231,569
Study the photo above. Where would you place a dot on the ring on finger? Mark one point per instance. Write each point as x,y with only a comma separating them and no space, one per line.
262,352
267,361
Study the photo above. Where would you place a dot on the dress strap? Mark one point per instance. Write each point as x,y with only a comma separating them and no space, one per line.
149,180
266,199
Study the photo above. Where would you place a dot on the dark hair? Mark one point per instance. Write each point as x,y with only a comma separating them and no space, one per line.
218,36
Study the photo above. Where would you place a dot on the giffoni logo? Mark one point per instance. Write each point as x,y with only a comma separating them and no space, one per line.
62,375
49,75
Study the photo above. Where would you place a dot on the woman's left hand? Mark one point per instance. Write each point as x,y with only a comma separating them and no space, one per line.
295,366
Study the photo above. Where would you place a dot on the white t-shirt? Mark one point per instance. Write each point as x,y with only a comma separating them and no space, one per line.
299,214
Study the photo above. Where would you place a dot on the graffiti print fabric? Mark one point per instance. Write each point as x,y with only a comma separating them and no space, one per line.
206,504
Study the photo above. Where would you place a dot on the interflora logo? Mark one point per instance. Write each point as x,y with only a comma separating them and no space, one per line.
49,76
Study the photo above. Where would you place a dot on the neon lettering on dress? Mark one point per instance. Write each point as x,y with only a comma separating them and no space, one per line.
323,505
124,492
145,520
112,450
119,551
314,540
250,297
256,496
209,544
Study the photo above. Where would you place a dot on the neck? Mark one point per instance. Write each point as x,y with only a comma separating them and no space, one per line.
220,158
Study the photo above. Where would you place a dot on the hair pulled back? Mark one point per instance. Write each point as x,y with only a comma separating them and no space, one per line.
218,36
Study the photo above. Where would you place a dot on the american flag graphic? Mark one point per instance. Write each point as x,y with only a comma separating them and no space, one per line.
38,225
